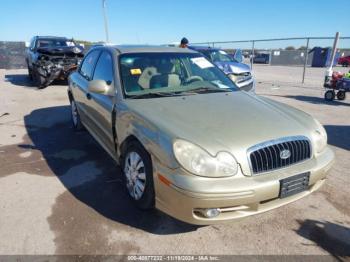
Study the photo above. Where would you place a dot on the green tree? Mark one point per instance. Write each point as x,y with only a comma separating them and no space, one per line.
290,48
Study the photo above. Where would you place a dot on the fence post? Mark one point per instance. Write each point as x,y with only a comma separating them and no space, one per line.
252,58
306,57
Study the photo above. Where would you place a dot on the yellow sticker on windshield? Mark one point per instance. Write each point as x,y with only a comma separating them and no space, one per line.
135,71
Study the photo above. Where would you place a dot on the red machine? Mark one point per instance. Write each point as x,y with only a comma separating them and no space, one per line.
344,61
336,85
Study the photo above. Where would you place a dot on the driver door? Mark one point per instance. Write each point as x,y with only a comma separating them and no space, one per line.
100,106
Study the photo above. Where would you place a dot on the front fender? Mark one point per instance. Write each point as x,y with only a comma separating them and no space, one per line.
155,140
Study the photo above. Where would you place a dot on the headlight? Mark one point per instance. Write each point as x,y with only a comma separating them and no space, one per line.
76,50
233,77
199,162
319,138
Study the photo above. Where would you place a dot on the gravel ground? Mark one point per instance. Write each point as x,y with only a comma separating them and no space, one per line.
60,192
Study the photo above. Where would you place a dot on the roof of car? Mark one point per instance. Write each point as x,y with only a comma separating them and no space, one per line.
149,49
203,48
51,37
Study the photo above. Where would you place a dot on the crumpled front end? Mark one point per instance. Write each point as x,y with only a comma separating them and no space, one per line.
56,67
239,73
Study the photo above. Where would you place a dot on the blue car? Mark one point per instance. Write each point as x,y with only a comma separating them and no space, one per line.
239,73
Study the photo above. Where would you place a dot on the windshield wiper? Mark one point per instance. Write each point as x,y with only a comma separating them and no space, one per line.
208,90
152,95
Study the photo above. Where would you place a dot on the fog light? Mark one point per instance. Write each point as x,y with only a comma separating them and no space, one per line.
211,212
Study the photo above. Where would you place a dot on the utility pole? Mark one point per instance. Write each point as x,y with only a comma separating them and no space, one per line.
105,19
329,70
334,50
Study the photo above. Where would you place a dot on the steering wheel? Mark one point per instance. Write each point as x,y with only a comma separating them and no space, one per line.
192,79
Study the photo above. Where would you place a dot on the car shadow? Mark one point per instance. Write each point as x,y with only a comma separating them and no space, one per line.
88,172
338,136
19,80
333,238
23,80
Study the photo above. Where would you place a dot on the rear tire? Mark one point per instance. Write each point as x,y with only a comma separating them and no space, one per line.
341,95
77,125
138,175
329,95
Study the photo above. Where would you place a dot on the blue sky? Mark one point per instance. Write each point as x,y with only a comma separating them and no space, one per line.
164,21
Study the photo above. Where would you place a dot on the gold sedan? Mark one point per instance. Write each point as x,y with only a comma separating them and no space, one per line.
190,143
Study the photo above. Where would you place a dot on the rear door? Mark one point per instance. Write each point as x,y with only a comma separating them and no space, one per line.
79,85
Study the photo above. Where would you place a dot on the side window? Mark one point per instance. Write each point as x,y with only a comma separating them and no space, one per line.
104,68
88,64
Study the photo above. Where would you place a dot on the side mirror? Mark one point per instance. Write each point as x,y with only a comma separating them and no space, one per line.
98,87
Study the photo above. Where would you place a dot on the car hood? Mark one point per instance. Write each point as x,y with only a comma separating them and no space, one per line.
233,67
230,122
61,51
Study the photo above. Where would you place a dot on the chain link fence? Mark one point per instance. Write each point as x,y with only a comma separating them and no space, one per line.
283,60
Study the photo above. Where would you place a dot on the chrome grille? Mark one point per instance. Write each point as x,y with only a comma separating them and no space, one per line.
279,153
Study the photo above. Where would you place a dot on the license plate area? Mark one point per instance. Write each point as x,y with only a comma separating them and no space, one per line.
294,185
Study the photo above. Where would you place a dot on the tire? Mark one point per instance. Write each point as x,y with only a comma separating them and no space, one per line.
341,95
38,80
329,95
345,64
138,175
77,125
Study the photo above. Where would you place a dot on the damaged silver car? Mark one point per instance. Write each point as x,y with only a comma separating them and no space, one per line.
50,57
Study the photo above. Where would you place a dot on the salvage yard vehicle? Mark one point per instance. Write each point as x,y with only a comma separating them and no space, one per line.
344,61
239,73
261,58
189,142
51,57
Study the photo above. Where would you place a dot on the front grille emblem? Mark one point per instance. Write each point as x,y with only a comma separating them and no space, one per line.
285,154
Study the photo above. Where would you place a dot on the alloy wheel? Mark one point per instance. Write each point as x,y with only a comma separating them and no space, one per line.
135,173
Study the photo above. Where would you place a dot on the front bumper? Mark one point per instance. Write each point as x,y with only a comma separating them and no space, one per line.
247,85
235,197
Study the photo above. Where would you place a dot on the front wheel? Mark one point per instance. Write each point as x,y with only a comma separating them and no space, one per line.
38,79
329,95
138,175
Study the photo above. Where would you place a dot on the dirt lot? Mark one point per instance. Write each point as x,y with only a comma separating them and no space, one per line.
60,193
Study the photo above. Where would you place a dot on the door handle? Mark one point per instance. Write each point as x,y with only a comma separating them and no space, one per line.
88,96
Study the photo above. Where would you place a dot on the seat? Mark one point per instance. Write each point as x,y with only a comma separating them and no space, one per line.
146,76
129,80
166,76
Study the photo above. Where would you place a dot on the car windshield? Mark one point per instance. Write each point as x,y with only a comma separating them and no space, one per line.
218,56
54,43
171,74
